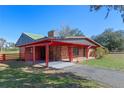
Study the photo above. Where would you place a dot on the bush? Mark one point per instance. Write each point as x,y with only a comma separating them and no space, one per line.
106,50
100,52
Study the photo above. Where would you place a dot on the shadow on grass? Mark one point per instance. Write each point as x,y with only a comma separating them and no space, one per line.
17,64
14,77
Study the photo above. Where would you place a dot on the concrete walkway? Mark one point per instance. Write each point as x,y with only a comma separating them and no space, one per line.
55,64
106,76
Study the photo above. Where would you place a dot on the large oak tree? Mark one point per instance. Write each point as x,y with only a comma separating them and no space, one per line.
113,40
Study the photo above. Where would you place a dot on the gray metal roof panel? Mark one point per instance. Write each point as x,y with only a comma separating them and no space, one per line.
24,39
77,41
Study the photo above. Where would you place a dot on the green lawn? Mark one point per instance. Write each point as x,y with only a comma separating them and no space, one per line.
23,75
111,61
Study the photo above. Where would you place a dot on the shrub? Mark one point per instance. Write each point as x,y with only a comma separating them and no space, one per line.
100,52
106,50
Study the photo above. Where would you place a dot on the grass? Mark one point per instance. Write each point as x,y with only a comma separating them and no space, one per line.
23,75
110,61
9,52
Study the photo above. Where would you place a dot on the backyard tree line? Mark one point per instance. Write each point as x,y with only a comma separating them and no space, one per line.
111,39
4,45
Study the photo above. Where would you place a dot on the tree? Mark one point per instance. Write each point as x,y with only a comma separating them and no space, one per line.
9,45
67,31
2,42
113,40
118,8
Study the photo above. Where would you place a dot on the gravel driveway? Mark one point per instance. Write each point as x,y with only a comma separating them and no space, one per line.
109,77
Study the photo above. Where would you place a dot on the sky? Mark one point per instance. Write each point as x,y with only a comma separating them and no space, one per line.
15,20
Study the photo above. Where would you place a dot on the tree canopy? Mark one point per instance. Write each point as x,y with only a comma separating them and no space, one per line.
2,43
5,45
118,8
67,32
113,40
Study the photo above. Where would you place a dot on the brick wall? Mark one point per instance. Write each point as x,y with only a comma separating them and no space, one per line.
28,54
22,51
91,52
55,53
58,53
81,52
64,52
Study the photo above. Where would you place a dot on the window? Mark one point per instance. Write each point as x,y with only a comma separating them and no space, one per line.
75,51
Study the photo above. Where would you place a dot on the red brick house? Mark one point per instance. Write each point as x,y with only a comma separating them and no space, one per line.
34,47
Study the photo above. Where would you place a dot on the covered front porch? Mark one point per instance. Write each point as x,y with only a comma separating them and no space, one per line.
54,51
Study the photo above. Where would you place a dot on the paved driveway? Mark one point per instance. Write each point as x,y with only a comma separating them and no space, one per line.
110,77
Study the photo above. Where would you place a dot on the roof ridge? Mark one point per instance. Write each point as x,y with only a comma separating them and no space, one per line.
33,36
30,33
76,37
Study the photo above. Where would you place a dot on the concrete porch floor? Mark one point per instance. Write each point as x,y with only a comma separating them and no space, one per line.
59,64
79,59
55,64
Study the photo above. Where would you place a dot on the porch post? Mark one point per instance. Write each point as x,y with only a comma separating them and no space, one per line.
34,58
24,54
95,53
47,55
87,50
70,53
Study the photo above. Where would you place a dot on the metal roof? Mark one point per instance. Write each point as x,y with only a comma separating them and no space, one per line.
77,41
34,36
28,38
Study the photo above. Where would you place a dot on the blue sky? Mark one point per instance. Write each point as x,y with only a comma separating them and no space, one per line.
40,19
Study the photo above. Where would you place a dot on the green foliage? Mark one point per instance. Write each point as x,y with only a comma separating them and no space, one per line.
106,50
113,40
100,52
2,42
7,46
67,32
34,36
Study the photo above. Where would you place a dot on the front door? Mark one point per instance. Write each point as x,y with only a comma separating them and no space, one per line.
43,53
84,52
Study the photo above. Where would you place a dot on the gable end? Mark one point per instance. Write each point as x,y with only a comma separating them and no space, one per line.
24,39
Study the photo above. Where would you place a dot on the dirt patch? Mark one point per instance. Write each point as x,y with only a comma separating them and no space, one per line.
3,66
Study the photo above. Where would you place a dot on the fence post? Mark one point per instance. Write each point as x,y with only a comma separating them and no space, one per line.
4,57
